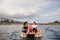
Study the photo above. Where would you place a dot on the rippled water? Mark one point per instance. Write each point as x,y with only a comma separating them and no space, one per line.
11,32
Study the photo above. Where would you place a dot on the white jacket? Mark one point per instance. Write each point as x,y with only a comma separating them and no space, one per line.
34,26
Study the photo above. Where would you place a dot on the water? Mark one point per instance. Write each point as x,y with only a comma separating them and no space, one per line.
11,32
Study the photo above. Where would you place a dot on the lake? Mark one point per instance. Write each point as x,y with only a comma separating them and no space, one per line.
11,32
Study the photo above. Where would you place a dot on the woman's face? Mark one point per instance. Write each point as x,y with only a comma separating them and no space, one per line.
26,24
33,23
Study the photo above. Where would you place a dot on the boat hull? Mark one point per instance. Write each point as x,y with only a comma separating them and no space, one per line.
25,35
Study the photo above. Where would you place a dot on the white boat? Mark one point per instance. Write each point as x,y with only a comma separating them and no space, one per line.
38,34
25,35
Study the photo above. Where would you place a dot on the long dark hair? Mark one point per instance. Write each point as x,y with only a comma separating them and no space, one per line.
25,23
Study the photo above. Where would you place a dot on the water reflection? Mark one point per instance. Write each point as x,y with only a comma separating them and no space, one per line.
11,32
31,38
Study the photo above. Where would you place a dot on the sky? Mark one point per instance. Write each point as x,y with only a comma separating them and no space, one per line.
42,11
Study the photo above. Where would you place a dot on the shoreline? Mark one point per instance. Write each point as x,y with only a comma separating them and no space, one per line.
22,24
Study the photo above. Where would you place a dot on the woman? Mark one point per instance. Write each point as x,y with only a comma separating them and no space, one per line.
25,27
34,26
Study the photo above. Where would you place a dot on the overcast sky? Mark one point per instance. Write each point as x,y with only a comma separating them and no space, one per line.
30,10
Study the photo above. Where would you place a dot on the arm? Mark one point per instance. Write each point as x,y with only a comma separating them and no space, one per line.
22,28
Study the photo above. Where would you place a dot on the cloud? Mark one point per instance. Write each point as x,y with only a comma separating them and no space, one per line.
21,7
57,12
29,10
54,13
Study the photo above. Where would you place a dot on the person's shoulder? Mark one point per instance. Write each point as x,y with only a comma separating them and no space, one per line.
29,25
35,25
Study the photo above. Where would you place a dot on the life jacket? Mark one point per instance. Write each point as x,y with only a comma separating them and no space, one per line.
29,27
